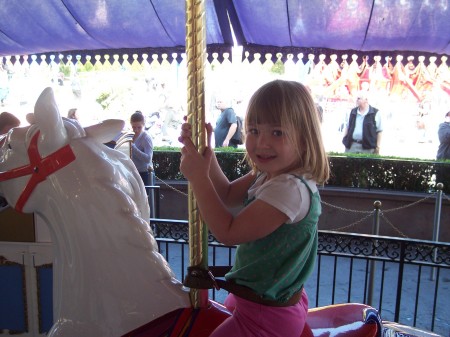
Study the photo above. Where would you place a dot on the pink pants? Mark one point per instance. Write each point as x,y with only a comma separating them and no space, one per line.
250,319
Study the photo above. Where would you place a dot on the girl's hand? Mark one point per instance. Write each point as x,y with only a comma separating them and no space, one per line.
186,132
194,166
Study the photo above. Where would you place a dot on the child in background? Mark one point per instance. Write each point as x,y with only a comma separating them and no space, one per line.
276,230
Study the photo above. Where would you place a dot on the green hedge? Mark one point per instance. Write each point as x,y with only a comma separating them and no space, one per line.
368,172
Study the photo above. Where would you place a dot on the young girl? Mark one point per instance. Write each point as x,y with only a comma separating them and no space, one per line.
277,228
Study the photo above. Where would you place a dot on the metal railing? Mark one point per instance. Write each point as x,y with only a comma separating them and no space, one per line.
407,280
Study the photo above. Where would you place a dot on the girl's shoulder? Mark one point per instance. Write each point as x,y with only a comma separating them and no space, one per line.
285,180
301,180
289,178
288,193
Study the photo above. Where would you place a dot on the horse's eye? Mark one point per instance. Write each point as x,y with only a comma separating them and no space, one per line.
9,146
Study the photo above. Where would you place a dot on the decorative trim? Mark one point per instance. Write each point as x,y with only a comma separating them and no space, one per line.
5,262
38,286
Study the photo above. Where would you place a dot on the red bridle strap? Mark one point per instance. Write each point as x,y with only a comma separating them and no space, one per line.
39,168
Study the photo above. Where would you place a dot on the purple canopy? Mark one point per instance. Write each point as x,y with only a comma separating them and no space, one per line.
34,27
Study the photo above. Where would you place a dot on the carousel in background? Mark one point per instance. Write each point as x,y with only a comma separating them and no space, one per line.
412,92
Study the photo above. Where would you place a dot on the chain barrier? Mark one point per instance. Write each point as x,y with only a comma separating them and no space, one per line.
393,227
353,223
170,187
345,209
382,214
409,205
367,214
446,196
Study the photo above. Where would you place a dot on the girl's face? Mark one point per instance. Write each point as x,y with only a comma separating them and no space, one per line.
137,128
269,148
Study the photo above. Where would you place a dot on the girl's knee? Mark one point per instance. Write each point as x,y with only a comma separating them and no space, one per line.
230,302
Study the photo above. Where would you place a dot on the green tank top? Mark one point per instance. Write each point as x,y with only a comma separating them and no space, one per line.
277,266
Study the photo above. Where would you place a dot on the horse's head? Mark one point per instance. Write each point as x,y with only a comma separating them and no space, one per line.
94,203
30,155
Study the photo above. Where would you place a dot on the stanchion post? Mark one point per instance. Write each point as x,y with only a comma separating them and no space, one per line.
372,265
436,223
151,195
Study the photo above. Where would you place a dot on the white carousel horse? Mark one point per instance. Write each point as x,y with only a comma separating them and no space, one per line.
109,279
105,279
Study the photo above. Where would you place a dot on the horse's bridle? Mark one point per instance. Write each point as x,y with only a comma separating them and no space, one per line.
39,168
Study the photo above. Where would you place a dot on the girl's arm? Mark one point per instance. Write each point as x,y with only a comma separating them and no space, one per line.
232,193
255,221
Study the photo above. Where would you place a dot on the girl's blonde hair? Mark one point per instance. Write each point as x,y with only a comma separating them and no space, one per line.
290,105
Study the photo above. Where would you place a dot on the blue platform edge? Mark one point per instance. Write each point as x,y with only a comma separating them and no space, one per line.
44,276
13,306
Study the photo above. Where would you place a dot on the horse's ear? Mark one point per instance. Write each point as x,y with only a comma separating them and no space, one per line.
30,118
48,119
105,131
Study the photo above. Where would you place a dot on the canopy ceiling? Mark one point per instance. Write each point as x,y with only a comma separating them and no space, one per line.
50,26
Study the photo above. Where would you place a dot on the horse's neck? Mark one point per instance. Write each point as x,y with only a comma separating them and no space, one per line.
100,222
108,255
97,226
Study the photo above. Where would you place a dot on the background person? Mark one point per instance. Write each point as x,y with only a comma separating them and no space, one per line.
168,110
363,129
141,148
277,229
4,84
7,122
72,114
444,138
226,123
318,106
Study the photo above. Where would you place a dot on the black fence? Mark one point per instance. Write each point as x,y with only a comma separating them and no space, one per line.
407,280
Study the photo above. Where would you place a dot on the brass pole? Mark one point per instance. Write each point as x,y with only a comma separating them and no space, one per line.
196,57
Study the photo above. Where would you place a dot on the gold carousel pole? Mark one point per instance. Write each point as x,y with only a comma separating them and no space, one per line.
196,57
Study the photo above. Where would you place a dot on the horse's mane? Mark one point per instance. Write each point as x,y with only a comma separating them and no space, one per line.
95,205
